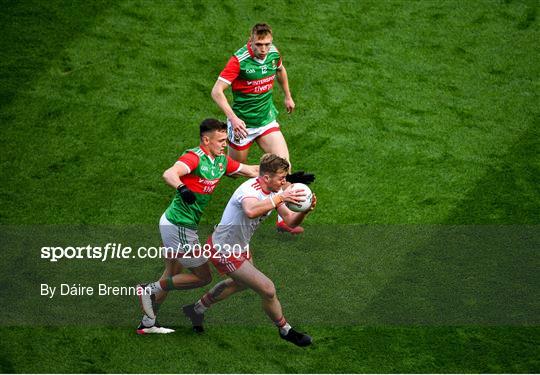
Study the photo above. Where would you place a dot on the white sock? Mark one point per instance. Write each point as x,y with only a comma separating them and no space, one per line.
200,308
206,301
147,321
285,329
154,287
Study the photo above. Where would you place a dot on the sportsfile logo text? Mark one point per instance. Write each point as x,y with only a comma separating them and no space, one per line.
117,251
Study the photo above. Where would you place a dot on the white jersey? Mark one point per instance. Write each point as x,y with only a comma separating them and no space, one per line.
236,229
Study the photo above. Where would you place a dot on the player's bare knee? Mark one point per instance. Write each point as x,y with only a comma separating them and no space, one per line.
268,291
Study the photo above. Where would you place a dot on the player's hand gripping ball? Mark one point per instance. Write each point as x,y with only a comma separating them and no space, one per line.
301,206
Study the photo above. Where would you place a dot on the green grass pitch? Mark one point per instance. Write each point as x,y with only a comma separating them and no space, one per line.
419,118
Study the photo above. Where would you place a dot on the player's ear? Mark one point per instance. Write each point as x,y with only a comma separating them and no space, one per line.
205,140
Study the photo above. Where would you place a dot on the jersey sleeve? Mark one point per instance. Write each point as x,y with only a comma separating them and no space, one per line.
231,71
247,190
190,160
233,166
280,61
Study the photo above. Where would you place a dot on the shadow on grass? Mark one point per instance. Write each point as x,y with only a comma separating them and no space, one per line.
490,276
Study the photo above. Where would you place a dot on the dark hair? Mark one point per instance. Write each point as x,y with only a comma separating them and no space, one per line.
210,125
261,30
272,164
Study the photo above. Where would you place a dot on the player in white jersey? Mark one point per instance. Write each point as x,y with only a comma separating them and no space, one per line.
250,204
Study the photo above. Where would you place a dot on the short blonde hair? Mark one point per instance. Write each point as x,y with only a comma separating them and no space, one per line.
272,164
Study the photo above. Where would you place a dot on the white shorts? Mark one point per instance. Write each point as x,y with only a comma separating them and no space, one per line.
179,243
253,133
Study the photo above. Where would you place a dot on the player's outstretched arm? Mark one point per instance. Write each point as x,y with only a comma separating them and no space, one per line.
248,171
218,94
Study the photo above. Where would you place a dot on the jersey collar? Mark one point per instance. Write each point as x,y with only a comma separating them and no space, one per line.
261,185
207,153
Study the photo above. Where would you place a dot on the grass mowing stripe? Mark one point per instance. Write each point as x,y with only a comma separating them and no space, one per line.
384,275
434,159
252,349
408,112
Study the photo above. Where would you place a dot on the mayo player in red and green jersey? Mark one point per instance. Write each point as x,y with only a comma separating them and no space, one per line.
251,73
195,175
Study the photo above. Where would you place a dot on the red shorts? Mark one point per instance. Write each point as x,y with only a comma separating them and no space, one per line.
227,264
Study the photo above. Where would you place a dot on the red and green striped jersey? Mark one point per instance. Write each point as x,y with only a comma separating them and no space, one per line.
252,81
205,173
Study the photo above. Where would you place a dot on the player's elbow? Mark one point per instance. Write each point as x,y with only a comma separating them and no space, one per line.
251,214
216,93
166,175
170,177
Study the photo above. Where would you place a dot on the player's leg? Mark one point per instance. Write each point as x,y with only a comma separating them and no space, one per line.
251,277
149,324
219,292
172,268
172,279
248,276
274,143
239,148
177,240
238,155
222,290
158,291
200,276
